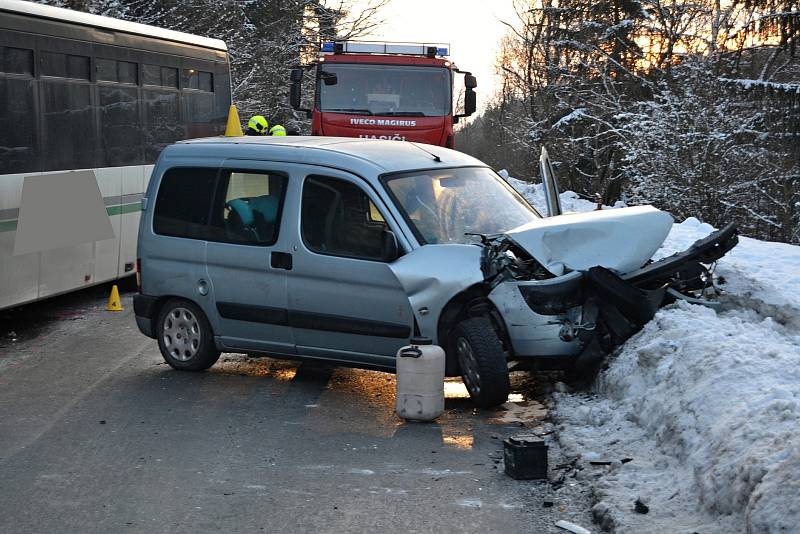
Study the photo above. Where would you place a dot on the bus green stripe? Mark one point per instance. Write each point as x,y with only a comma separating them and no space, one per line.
121,209
124,208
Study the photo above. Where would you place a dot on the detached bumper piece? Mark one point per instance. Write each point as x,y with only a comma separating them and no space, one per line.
624,304
623,307
620,309
706,250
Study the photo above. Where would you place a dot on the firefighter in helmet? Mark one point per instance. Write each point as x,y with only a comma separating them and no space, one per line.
257,125
277,130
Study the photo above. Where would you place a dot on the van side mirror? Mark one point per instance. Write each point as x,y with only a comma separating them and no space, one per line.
390,250
296,75
470,81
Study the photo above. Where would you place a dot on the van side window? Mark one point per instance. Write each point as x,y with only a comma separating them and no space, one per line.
248,207
338,218
184,202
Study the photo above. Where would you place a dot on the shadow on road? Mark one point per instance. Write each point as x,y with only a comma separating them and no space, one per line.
31,320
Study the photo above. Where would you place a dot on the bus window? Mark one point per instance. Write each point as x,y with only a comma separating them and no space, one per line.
162,121
106,70
126,72
205,81
198,79
70,133
169,77
120,132
200,114
110,70
157,75
151,75
17,130
65,66
16,60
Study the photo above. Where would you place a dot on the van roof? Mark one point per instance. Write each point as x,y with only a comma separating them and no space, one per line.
356,155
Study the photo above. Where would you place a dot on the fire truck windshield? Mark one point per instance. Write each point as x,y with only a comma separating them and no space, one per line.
389,90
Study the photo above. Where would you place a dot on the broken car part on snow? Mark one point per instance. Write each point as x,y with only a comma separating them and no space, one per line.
370,242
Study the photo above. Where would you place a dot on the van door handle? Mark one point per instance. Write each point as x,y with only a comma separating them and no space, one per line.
281,260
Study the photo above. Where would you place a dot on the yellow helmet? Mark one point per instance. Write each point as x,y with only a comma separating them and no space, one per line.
277,130
258,124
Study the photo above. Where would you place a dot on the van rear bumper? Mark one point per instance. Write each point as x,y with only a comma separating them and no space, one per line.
144,307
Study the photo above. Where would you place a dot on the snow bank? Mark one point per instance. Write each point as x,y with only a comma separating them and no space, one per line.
708,407
535,195
706,404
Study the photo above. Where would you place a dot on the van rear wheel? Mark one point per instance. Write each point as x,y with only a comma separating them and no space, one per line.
184,336
482,361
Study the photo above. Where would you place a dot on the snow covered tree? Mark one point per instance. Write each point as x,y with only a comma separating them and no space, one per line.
691,105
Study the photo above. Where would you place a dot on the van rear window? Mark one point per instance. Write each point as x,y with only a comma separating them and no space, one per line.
183,205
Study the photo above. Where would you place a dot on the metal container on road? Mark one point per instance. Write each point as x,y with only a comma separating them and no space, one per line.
420,380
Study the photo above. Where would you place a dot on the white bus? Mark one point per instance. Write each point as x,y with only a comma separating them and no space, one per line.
86,105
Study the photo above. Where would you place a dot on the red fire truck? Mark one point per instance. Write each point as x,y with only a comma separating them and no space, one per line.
397,91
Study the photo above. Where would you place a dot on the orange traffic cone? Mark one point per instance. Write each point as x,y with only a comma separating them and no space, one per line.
234,127
113,300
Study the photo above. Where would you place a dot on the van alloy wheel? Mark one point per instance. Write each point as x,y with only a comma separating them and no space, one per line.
185,337
182,334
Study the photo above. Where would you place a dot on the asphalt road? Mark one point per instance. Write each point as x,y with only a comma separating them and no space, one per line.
98,434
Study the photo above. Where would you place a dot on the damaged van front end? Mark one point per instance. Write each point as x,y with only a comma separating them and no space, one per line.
536,292
600,288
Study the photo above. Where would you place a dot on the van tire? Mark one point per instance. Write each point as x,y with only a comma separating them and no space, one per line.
185,337
482,361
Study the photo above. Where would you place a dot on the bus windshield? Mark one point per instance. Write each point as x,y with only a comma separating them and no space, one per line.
445,205
388,90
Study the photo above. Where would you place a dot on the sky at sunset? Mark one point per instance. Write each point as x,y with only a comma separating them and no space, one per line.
472,27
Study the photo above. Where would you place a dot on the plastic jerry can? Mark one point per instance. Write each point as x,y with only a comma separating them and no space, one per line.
420,380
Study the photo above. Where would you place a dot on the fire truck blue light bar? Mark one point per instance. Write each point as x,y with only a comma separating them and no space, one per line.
371,47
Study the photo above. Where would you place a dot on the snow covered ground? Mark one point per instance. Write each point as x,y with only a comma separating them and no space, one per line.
705,403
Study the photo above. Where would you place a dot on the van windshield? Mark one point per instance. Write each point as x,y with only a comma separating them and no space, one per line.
444,205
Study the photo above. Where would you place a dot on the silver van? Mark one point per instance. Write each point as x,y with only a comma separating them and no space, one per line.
342,249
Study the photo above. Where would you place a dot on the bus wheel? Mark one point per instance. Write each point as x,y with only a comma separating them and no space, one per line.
482,361
185,337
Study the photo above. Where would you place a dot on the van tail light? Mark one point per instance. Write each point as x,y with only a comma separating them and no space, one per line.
139,274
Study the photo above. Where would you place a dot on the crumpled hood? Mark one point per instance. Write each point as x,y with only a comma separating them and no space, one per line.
619,239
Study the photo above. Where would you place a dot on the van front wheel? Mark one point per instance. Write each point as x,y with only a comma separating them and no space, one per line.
482,361
185,337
